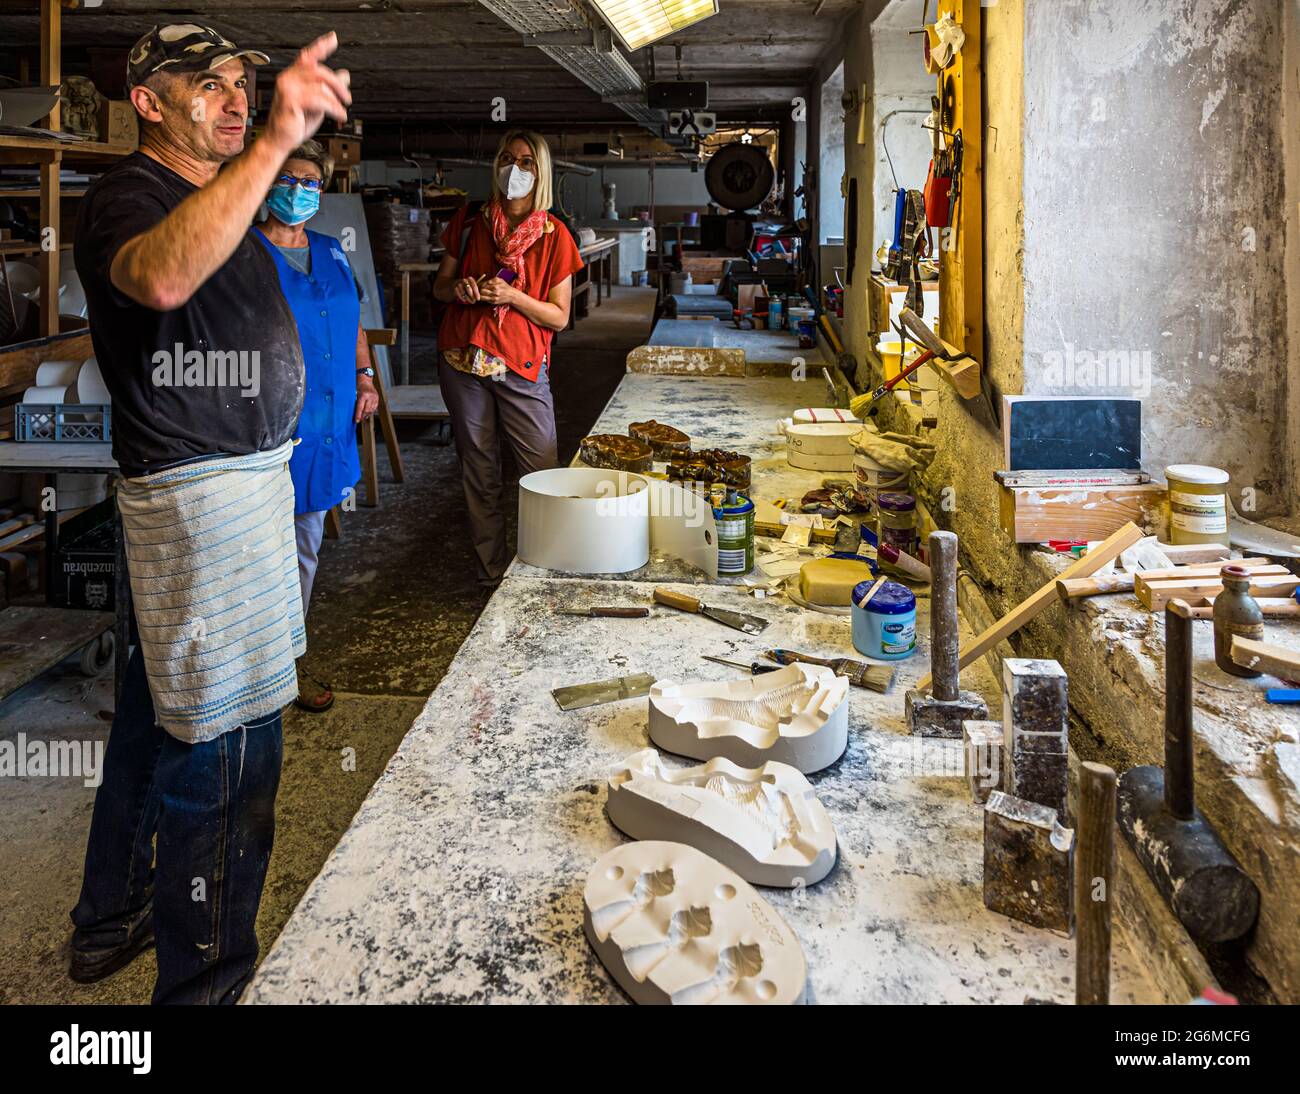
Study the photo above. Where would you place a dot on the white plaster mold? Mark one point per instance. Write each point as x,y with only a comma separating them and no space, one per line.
674,926
797,715
765,822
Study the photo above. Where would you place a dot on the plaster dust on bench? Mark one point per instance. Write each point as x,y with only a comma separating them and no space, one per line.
461,877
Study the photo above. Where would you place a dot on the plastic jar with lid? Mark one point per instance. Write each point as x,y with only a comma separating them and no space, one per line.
1198,503
885,627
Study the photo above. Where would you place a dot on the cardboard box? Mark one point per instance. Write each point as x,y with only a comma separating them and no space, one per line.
344,151
118,123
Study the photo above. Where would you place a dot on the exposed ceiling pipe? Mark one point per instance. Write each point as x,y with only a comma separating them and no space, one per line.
470,161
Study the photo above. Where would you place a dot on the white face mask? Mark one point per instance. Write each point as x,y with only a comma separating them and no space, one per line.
515,183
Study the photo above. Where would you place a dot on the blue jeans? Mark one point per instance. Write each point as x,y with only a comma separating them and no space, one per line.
212,809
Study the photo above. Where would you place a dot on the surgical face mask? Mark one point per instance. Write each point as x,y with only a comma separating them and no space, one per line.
514,182
293,204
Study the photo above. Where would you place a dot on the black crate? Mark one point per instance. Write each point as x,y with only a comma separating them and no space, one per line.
86,561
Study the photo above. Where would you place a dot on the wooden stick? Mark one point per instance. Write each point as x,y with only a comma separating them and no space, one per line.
1094,884
1266,657
1086,566
1270,608
1125,582
1157,594
1101,585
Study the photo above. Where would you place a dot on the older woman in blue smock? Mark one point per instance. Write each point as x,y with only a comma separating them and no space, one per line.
319,285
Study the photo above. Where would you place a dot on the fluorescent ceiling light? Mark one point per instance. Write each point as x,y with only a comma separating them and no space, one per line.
640,22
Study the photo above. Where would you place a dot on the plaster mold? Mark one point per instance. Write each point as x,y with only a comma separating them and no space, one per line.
674,926
797,715
765,823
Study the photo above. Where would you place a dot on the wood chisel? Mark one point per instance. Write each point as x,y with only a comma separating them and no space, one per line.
755,668
606,613
750,624
576,696
860,674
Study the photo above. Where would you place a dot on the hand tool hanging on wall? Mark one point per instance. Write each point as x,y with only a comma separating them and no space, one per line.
1210,893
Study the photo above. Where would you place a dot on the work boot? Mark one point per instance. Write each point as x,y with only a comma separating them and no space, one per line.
92,960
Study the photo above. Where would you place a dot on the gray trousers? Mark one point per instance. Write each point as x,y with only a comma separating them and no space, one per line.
484,411
309,529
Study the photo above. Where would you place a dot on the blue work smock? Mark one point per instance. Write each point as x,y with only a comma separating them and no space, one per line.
325,465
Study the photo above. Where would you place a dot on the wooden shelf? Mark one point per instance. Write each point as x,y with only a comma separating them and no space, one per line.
34,192
67,148
20,250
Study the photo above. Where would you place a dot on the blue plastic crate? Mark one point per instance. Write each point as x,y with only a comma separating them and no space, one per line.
63,422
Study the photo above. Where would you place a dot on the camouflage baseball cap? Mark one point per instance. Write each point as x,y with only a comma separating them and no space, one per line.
183,47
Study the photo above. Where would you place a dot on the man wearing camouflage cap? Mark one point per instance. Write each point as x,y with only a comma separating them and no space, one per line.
179,290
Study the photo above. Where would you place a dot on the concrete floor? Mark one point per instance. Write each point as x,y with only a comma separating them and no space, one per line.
393,601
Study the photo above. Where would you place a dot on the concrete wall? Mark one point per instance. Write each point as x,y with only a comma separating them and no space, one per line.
1155,224
1291,148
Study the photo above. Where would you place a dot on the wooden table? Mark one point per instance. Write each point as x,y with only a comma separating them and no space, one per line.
599,259
404,326
77,627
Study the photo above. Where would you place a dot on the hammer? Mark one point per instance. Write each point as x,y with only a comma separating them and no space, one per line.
1210,893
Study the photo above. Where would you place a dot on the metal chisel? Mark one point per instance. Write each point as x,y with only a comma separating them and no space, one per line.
606,613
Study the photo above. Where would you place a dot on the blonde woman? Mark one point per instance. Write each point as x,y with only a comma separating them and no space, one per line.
507,278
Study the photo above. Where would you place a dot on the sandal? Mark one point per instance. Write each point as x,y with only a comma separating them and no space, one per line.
323,700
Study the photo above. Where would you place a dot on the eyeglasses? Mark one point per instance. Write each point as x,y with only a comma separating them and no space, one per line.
524,163
310,185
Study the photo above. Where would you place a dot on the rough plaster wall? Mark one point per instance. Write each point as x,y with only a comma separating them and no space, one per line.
900,101
1291,146
1153,192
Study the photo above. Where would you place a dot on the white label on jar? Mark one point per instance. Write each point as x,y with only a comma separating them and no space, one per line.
1207,502
897,637
1191,522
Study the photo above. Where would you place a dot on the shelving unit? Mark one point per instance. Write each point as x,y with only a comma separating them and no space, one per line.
49,154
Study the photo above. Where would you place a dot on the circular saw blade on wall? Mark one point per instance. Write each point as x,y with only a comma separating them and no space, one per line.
739,176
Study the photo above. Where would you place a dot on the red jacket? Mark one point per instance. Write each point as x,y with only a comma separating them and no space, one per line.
521,343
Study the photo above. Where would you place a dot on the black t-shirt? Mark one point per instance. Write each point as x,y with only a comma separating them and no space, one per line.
223,373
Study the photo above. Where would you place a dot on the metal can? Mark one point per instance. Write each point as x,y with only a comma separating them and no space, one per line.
735,524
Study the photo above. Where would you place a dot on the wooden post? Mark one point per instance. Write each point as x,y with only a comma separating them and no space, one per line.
1180,790
51,76
1094,884
406,327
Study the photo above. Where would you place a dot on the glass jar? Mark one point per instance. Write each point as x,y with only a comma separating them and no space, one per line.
897,515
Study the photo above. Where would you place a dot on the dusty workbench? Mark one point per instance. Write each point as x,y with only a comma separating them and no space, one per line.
461,876
739,414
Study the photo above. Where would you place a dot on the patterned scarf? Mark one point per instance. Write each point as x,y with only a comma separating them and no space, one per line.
510,246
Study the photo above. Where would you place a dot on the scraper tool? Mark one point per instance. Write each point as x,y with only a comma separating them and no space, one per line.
750,624
577,696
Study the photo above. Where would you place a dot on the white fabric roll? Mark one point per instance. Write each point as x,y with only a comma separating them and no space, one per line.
48,393
52,373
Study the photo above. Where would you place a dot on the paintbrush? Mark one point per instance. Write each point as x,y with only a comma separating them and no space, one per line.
860,674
